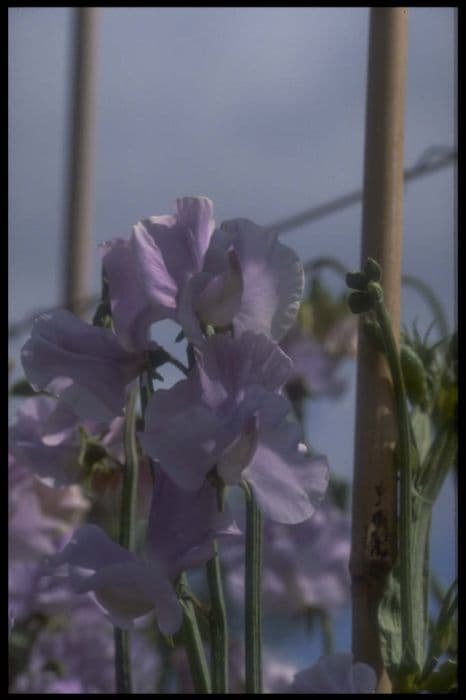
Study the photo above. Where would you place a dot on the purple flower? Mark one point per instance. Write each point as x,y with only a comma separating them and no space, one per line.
304,566
39,515
336,674
180,534
177,267
45,439
39,518
228,414
86,366
75,654
313,367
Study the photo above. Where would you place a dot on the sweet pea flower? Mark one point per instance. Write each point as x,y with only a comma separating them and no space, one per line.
180,533
336,674
228,415
87,367
45,438
181,268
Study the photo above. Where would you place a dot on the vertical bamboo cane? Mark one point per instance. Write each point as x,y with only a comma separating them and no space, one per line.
374,486
81,176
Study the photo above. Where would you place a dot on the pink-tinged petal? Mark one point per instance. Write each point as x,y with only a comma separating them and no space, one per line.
273,277
188,445
336,674
239,453
97,367
220,300
159,286
183,239
227,366
132,312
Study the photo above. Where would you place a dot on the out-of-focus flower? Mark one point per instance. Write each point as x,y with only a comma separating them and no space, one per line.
86,366
305,566
40,518
336,674
314,369
228,414
179,267
180,533
46,439
74,653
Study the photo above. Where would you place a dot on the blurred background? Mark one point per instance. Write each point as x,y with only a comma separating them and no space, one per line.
263,111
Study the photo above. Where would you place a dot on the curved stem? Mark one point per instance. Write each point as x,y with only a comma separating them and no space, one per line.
126,539
431,300
218,626
403,457
122,662
193,644
253,594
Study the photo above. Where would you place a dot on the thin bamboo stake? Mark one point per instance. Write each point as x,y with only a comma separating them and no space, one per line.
374,486
81,182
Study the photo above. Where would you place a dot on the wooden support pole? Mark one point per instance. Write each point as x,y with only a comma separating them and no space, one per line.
374,485
81,177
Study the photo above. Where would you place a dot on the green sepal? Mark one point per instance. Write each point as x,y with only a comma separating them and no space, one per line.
22,388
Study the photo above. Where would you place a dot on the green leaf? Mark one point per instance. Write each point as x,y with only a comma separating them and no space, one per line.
414,376
444,680
389,618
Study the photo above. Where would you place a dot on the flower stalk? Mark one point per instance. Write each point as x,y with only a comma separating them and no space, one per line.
218,626
253,597
126,539
193,643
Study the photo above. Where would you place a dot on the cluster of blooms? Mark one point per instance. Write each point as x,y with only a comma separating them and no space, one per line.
235,292
62,642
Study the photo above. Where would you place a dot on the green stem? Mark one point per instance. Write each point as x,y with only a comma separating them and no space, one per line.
253,597
130,474
441,456
122,662
403,457
193,644
127,521
218,626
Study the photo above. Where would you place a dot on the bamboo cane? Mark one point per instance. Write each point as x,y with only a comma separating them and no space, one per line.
81,175
374,486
